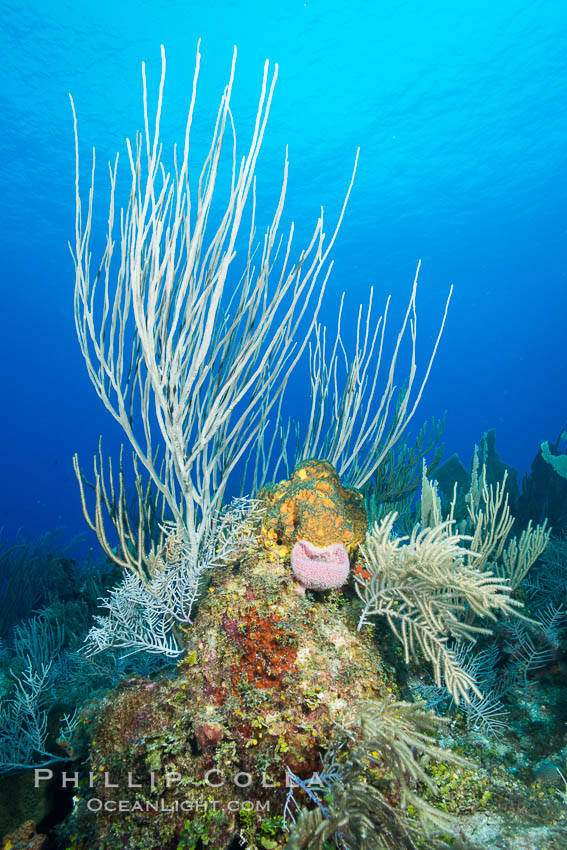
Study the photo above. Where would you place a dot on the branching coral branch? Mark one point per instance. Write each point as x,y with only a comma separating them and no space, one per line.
141,615
425,587
175,339
351,425
139,536
395,738
489,517
520,555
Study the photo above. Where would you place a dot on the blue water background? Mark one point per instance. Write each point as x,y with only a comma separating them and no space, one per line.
460,111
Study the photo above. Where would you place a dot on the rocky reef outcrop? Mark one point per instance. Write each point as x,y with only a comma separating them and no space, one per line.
267,678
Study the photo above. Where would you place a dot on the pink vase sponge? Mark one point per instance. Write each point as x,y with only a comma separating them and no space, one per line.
319,569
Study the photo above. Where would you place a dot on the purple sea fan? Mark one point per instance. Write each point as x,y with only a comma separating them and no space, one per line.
319,569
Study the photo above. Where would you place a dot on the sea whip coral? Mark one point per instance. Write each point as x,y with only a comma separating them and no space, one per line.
319,569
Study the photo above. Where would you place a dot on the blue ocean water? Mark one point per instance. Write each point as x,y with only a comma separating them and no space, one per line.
459,110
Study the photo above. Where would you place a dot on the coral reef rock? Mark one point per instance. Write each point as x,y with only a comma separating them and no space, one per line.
200,755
